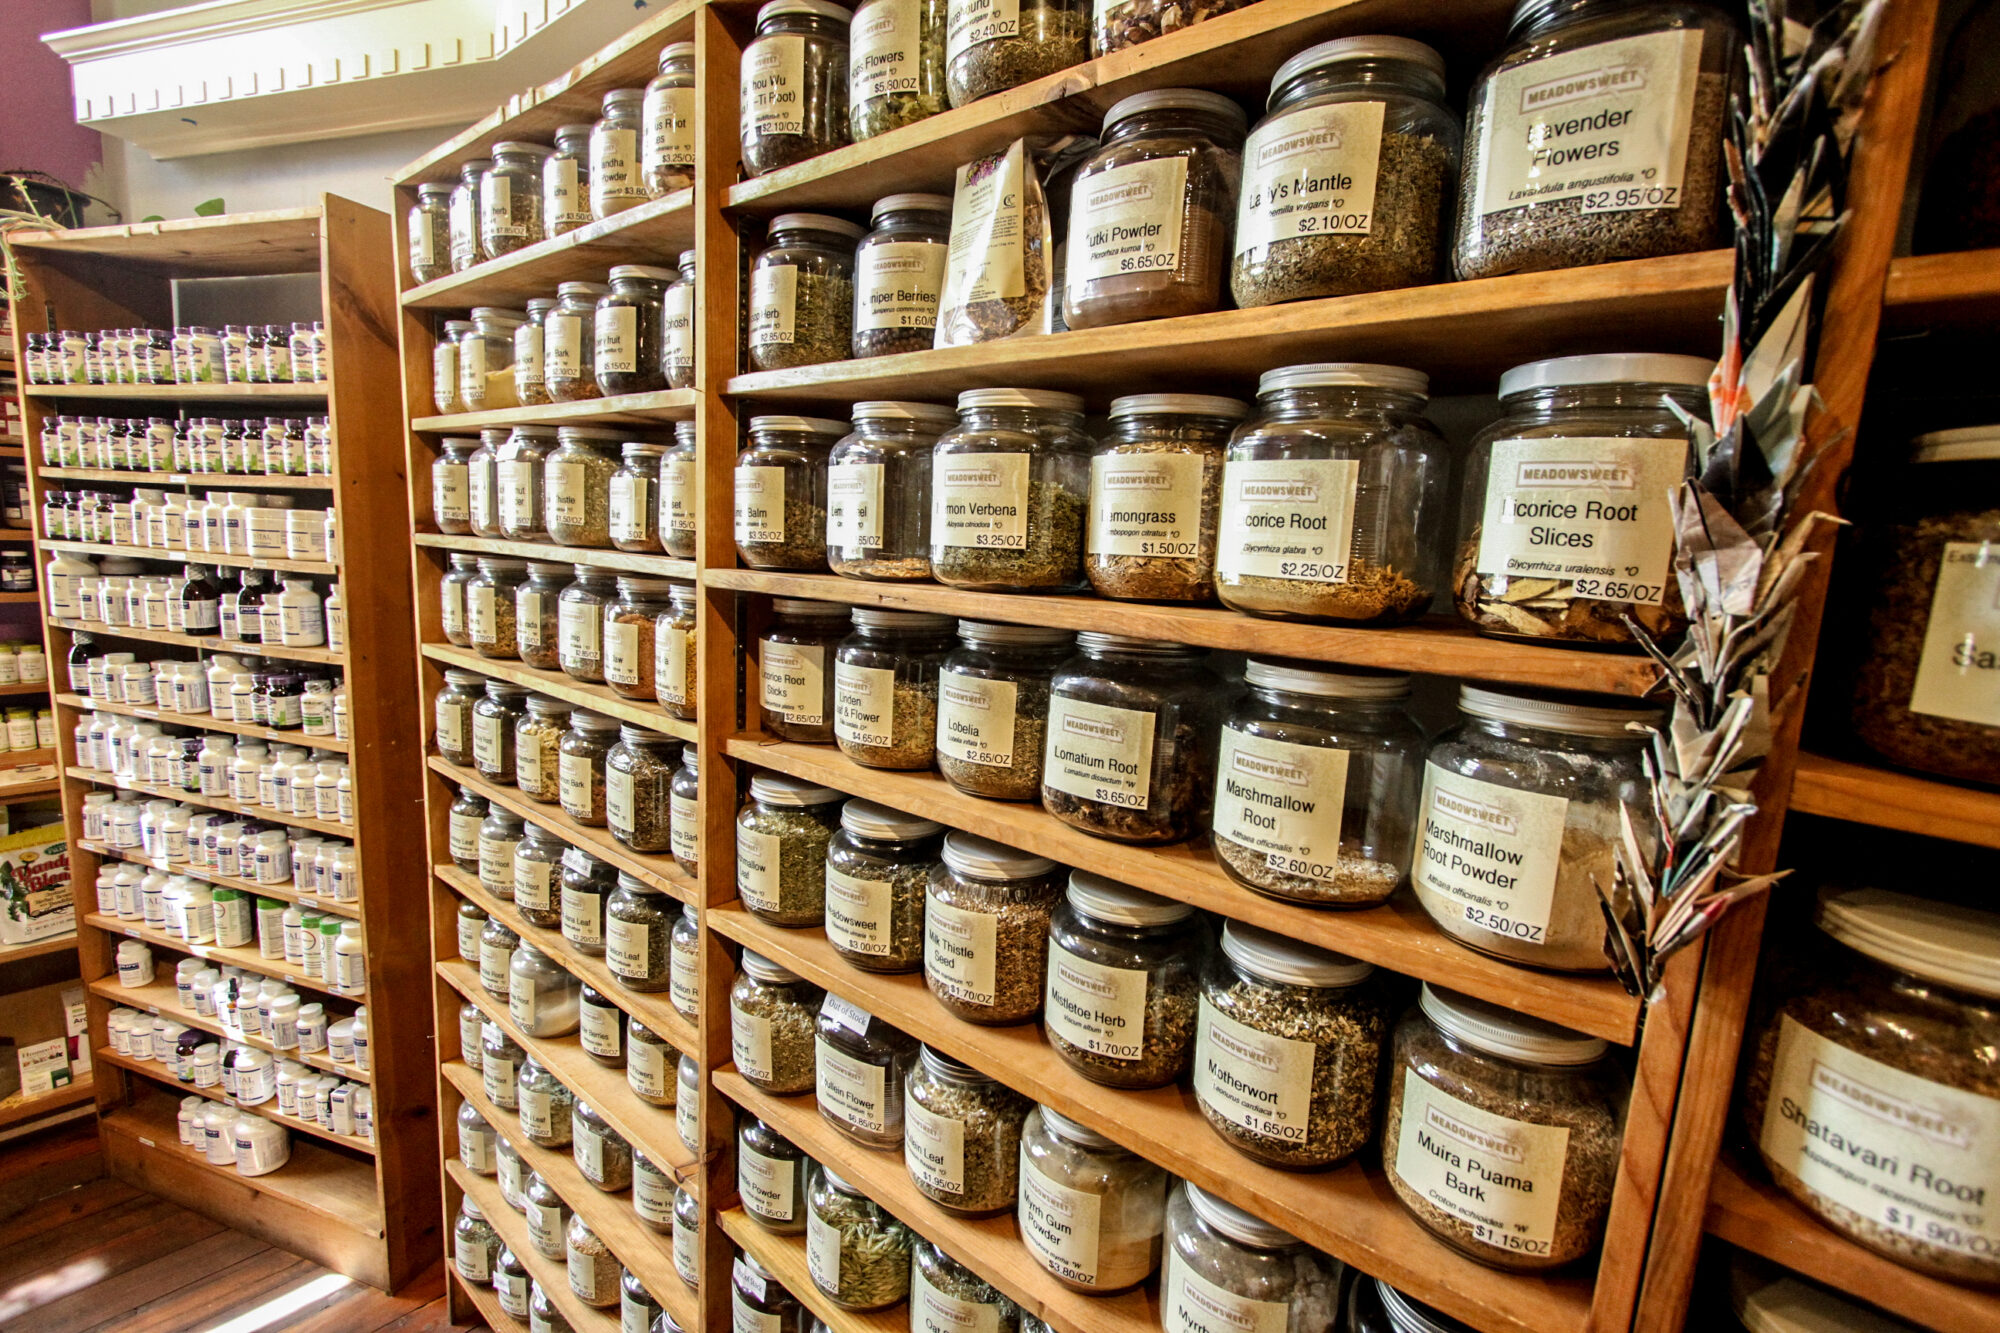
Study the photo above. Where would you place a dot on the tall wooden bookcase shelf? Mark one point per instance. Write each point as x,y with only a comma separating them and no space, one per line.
365,1208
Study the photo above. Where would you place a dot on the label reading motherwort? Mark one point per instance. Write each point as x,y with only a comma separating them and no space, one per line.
1488,855
1588,511
1254,1080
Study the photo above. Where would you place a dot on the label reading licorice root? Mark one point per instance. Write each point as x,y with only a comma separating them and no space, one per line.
1592,513
1287,519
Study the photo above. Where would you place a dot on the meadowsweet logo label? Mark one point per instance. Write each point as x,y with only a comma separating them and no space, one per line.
1137,479
1472,1136
958,696
1325,139
1265,768
1579,472
1269,490
1103,730
971,476
1581,87
1880,1104
1453,805
1123,195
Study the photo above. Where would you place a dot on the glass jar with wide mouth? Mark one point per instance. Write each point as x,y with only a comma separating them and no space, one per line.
451,725
677,493
1333,498
674,657
601,1153
482,483
629,334
985,54
993,707
521,489
634,513
878,489
1553,1095
802,292
538,876
529,361
862,1063
467,811
1672,115
1009,488
666,153
1223,1263
1279,1019
1122,986
486,359
794,84
1356,109
630,631
542,996
986,929
617,175
656,1197
601,1033
1373,1306
781,497
450,487
510,198
684,963
580,622
1316,787
430,232
895,65
773,1025
638,928
1156,496
1519,822
594,1271
587,884
781,840
1090,1212
496,952
885,687
771,1174
576,484
1131,737
444,393
684,812
500,1059
580,766
678,333
962,1136
491,613
566,181
463,215
545,1105
475,1245
1150,210
538,748
657,1073
878,867
638,776
944,1293
499,834
857,1254
795,668
569,344
1567,528
899,264
537,615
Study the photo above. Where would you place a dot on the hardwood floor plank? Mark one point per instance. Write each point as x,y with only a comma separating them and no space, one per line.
220,1295
434,1317
118,1239
65,1211
109,1303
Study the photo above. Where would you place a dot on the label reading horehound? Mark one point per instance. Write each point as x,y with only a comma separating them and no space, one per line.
617,345
864,704
854,506
1606,125
1958,673
822,1252
988,214
1145,504
857,913
760,504
766,1184
968,23
750,1043
959,952
897,284
852,1091
794,682
774,85
774,305
1502,1177
1059,1224
1099,752
1127,219
1259,1082
976,719
1190,1303
1488,854
1310,172
1096,1008
934,1149
757,866
932,1311
1589,511
1281,800
1288,519
981,501
1916,1157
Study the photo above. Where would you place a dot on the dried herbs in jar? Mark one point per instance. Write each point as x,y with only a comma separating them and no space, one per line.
993,707
986,929
885,687
781,842
877,869
801,309
895,65
773,1025
1156,496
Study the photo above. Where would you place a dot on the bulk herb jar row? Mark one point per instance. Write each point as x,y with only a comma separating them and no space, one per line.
641,148
294,353
246,446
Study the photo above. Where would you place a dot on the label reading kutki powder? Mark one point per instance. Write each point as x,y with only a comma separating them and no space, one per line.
1256,1081
1287,519
1502,1177
760,504
897,284
1190,1303
1145,504
1282,800
1310,172
854,506
1127,219
976,719
750,1044
794,682
934,1149
1096,1008
857,913
774,304
1958,674
1099,752
981,501
1059,1224
1488,854
851,1091
864,704
757,865
1594,513
932,1311
774,78
959,952
766,1184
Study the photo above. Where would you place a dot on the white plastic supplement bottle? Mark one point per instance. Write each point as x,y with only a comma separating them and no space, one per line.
302,622
350,963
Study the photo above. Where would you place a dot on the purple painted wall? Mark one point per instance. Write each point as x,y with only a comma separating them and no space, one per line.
38,129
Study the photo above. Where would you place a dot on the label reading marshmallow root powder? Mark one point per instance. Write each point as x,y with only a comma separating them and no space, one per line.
1956,675
1487,854
1502,1177
1099,753
1593,512
1288,519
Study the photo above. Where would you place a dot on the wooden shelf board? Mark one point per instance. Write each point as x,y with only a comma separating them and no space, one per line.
1436,645
1886,798
269,1110
653,233
43,757
1959,290
631,562
635,409
14,792
1749,1212
204,721
324,568
1350,1212
487,1302
54,944
258,812
19,1110
234,481
557,685
20,598
513,1229
207,643
24,687
784,1258
246,958
287,893
17,534
281,240
161,997
1398,936
309,392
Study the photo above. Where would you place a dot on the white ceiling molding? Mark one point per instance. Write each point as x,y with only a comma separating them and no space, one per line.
236,74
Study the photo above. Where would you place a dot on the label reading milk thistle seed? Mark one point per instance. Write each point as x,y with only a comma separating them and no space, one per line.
959,952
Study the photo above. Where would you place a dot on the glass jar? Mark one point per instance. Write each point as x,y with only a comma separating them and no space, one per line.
678,332
656,1198
1225,1266
861,1064
1279,1018
986,929
1373,1306
538,748
1150,209
634,512
462,569
794,84
482,483
580,622
1009,488
1673,110
580,766
566,181
500,1058
877,868
602,1155
666,154
781,492
1300,735
802,293
542,997
993,707
628,333
529,362
538,877
475,1245
486,359
576,484
985,54
1550,1094
1076,1182
885,687
773,1022
1156,496
430,233
944,1293
569,344
510,198
452,716
878,489
491,612
659,1075
781,840
794,671
629,634
601,1032
684,813
962,1136
638,777
899,265
771,1176
617,173
587,884
674,657
593,1269
1610,420
499,834
677,493
1132,726
496,953
521,493
1121,994
463,213
450,494
463,819
1520,821
1350,110
1333,498
857,1254
543,1314
537,615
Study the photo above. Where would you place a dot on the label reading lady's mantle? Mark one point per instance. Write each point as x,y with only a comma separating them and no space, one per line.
1099,753
981,501
1283,800
1096,1008
1059,1224
1503,1177
794,680
1590,511
976,719
1190,1303
1958,675
1310,172
1145,504
1288,519
958,952
1488,854
1254,1080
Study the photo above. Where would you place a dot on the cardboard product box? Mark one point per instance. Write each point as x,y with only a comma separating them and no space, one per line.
76,1022
35,900
45,1067
34,1041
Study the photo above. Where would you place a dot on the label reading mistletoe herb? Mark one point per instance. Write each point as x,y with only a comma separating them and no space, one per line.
774,305
1096,1008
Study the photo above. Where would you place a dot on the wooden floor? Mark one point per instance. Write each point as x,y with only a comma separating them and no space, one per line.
80,1251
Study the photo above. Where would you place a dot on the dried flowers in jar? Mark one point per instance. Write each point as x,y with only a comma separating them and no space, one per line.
1156,496
771,1177
616,183
878,490
490,611
638,927
993,707
1519,823
1225,1266
1346,179
451,727
773,1025
1333,499
877,868
1002,271
1567,527
991,46
634,514
637,774
861,1065
538,615
628,331
945,1294
899,265
677,492
986,929
856,1253
569,370
1316,784
962,1136
666,152
795,670
677,326
1122,989
430,237
1009,487
684,813
781,842
580,766
885,687
801,309
658,1074
674,657
1091,1212
629,650
1131,735
895,65
780,490
587,884
510,198
794,84
576,484
1287,1051
1527,1183
494,718
566,181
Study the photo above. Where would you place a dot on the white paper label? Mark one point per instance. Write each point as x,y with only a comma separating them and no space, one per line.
473,1264
864,704
959,952
617,343
1283,800
1488,854
537,1113
1145,504
1310,172
976,719
677,495
521,1005
981,501
1099,752
822,1252
563,198
450,728
1256,1081
614,165
794,682
774,85
854,506
646,1069
496,197
1096,1008
1128,219
534,885
858,913
987,254
1288,519
757,865
1962,638
750,1044
565,484
897,284
631,505
1058,1224
562,343
760,504
684,828
597,1031
743,1319
669,117
766,1184
583,918
1190,1303
884,53
1502,1177
582,631
627,948
1593,511
450,494
972,22
934,1149
484,620
622,663
670,666
851,1090
774,304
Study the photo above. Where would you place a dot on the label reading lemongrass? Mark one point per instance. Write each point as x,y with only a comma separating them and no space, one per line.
1145,504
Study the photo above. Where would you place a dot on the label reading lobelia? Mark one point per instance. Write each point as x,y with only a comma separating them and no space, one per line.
976,719
1502,1177
854,506
1145,504
1059,1224
794,682
1127,219
864,704
774,85
760,504
981,501
851,1091
1190,1303
774,304
897,284
1096,1008
1099,753
1961,654
857,913
1588,511
1254,1080
1905,1153
757,865
934,1149
1288,519
1282,800
1488,854
959,952
1310,172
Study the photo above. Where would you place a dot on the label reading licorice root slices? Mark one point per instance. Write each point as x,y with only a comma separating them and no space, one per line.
1580,517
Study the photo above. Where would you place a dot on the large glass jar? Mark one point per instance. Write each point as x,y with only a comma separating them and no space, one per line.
1279,1018
857,1254
986,929
628,332
452,716
450,497
1156,496
580,766
666,153
1121,996
538,748
1009,489
781,496
521,487
1225,1266
684,810
541,994
529,362
492,611
895,65
1352,110
601,1153
576,484
462,821
962,1136
659,1075
486,359
1316,788
1333,498
802,291
1091,1212
1677,65
634,498
674,656
499,834
987,54
566,181
771,1176
464,212
1150,210
601,1033
677,492
580,622
773,1024
638,777
545,1105
1567,527
1547,1092
758,1300
617,180
878,490
475,1245
794,84
781,840
569,350
795,669
510,198
877,868
430,233
684,963
587,884
1373,1306
538,877
630,630
537,615
944,1293
899,265
678,326
482,483
993,707
1130,753
861,1064
885,687
1520,820
638,929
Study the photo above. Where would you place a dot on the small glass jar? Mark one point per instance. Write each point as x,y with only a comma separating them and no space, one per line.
857,1254
601,1032
861,1064
638,777
537,615
450,488
580,622
469,920
576,484
1225,1265
878,490
794,84
451,715
659,1075
529,361
496,953
781,840
684,963
541,994
687,1245
617,175
1298,737
580,766
544,1316
795,669
476,1138
522,489
878,867
986,929
491,612
475,1245
566,181
773,1022
1010,485
1310,1021
569,351
602,1155
675,666
962,1136
679,334
499,834
630,625
463,214
500,1058
628,333
510,198
771,1176
993,707
1551,1095
494,717
467,812
899,265
885,687
587,884
666,153
634,502
781,498
895,65
677,493
1156,496
684,812
593,1269
430,233
944,1293
802,291
482,483
461,570
986,55
1075,1181
1122,985
758,1300
486,359
1520,821
538,877
538,748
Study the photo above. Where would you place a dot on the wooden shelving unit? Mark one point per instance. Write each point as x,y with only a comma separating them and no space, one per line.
366,1209
1887,798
